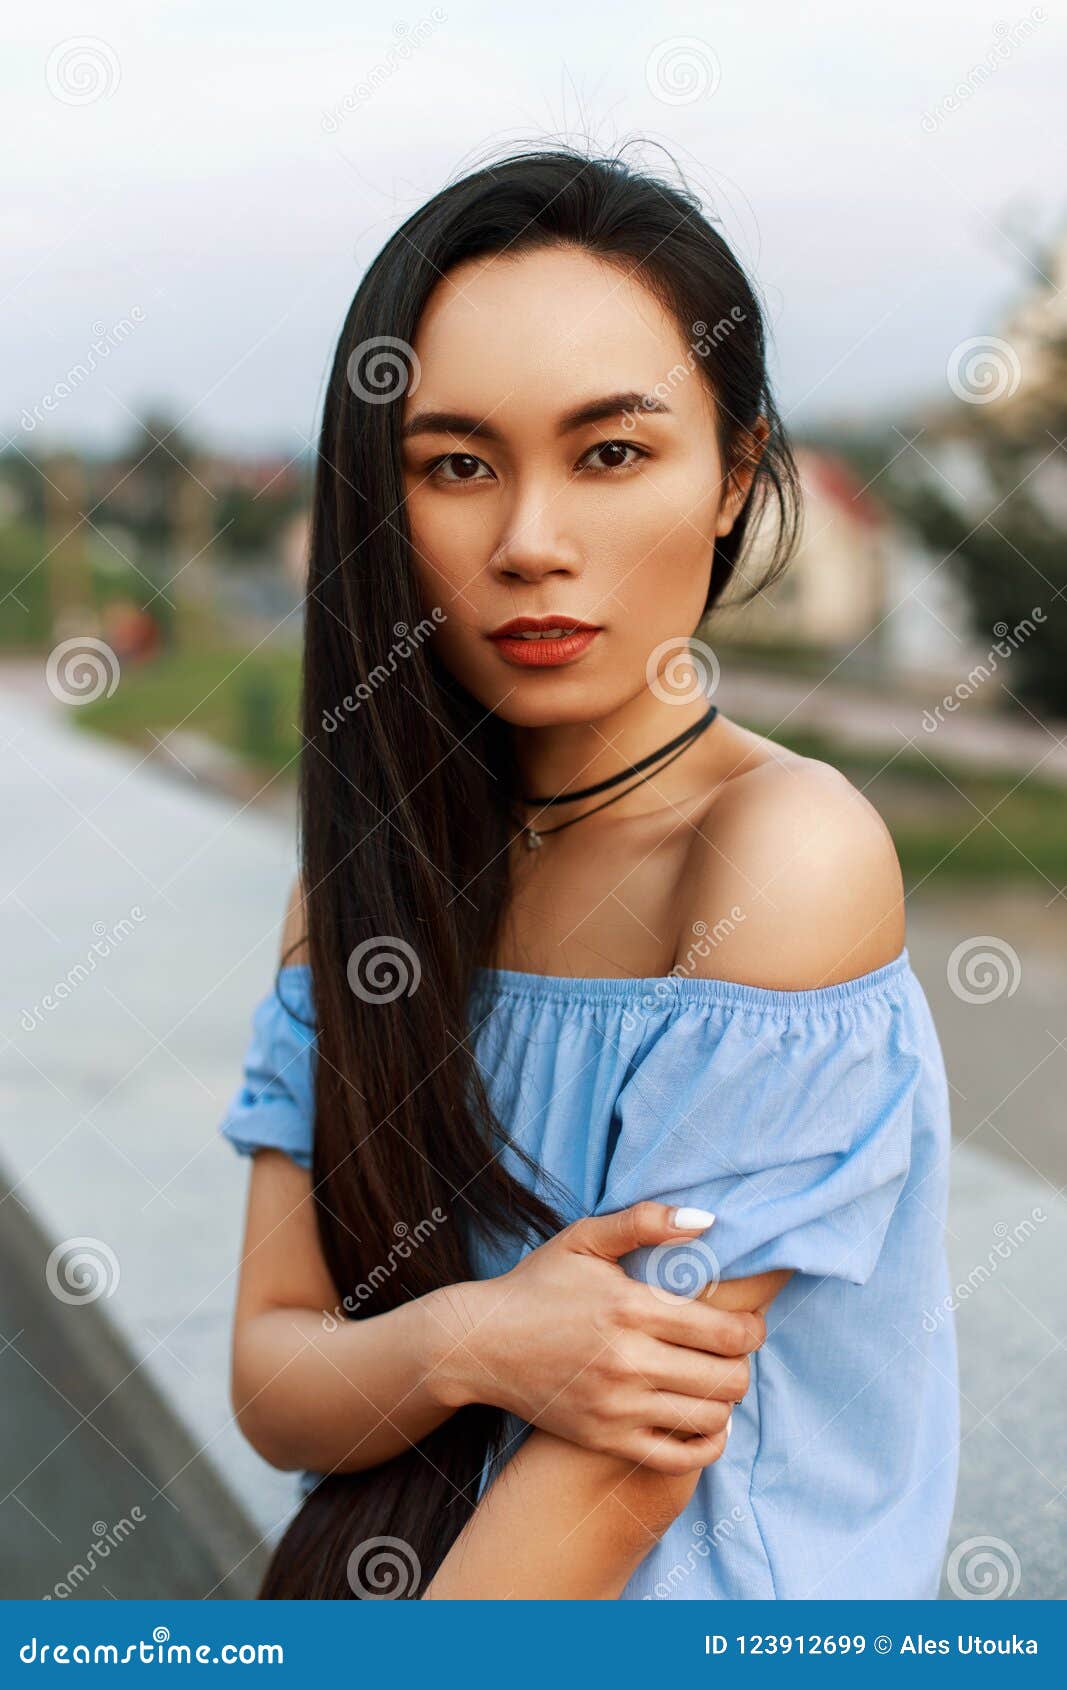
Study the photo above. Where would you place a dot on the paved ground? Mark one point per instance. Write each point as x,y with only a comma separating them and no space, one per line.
113,1094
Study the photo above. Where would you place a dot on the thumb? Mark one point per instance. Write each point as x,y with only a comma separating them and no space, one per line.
612,1236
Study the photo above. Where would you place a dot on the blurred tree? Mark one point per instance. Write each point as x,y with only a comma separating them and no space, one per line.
986,486
1012,559
258,705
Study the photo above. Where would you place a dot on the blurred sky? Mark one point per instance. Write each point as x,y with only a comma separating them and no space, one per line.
207,190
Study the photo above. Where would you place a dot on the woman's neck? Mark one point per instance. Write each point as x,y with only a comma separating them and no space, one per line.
575,755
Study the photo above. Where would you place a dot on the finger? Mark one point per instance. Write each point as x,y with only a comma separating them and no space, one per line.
690,1373
676,1456
612,1236
697,1325
690,1416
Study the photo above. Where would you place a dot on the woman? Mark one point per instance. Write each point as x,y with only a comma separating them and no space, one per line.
597,1097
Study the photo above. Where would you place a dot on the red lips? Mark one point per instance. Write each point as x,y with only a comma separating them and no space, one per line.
538,624
543,653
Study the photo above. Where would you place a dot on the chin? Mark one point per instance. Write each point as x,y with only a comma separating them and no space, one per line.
537,698
533,704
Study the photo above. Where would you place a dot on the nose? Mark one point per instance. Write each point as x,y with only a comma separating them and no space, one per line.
535,543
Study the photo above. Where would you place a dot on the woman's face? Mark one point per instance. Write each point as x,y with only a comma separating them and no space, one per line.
520,506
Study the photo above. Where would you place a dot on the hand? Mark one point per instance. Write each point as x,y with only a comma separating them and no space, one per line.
569,1342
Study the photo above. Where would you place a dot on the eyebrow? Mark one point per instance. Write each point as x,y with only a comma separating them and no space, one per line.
595,410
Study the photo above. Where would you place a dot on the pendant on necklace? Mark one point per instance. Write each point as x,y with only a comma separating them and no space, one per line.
533,839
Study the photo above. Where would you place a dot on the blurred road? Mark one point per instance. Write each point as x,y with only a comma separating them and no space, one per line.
967,733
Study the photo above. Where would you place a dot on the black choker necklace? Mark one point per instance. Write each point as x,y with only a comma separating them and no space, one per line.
666,754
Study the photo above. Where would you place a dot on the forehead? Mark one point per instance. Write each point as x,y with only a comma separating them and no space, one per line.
547,329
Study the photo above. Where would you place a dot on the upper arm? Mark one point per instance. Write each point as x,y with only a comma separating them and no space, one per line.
294,929
282,1264
756,1291
794,875
773,1121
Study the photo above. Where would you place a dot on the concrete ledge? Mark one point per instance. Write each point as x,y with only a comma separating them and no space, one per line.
99,1380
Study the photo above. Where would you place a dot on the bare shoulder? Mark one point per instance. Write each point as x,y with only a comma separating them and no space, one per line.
294,930
793,875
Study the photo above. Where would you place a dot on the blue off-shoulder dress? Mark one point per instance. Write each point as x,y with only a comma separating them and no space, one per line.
815,1126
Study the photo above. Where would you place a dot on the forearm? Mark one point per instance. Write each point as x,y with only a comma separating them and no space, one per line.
560,1523
348,1396
566,1522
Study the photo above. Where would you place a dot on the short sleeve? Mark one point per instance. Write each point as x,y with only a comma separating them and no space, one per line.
792,1125
273,1108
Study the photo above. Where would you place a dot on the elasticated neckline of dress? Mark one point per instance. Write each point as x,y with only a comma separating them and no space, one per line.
680,988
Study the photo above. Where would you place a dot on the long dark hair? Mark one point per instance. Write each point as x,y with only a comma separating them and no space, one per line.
406,808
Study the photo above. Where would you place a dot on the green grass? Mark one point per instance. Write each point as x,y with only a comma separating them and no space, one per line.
248,704
33,564
25,615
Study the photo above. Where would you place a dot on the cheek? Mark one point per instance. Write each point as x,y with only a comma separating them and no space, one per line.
660,553
448,550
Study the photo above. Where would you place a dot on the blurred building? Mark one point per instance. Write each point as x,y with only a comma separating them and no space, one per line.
862,596
834,591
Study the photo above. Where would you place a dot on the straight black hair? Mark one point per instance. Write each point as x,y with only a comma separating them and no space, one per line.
406,812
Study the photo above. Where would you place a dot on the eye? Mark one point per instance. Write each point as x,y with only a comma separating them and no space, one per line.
616,447
464,464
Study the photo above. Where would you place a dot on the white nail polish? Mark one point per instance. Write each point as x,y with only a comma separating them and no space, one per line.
690,1220
729,1422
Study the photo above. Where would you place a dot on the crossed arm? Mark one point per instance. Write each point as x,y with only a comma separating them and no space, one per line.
569,1523
629,1391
